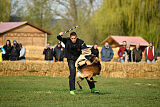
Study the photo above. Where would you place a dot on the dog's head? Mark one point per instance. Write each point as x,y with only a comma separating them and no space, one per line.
92,58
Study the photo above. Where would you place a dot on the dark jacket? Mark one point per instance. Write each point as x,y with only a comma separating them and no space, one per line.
95,52
127,55
137,55
72,50
48,53
58,53
107,53
15,52
8,52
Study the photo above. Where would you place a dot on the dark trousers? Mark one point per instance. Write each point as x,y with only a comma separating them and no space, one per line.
72,69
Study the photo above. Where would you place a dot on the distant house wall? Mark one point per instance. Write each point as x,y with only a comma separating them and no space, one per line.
27,35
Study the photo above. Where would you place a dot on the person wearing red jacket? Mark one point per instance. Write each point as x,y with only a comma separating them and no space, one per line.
121,50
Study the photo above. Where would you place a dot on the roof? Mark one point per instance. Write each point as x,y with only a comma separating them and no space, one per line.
130,40
7,26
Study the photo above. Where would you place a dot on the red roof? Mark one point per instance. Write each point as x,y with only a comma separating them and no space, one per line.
130,40
7,26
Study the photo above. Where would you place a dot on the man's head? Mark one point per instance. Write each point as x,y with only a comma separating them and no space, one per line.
59,44
73,37
95,46
137,46
128,46
14,42
48,45
106,45
150,44
124,43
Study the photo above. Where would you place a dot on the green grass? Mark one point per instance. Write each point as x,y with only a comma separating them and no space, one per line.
31,91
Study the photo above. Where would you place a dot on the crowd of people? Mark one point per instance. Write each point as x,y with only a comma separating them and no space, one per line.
125,53
17,52
12,52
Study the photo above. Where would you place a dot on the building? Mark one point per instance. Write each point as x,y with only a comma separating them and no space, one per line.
116,42
24,32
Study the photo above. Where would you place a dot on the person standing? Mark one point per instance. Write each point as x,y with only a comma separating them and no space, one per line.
120,51
22,53
150,53
59,52
94,50
137,53
107,53
127,54
2,51
7,48
73,47
48,52
15,51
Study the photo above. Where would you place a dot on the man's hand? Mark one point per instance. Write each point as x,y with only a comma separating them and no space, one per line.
61,33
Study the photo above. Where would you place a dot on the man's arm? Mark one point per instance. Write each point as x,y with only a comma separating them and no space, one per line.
59,37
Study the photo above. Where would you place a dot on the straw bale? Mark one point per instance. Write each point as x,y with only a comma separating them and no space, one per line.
109,69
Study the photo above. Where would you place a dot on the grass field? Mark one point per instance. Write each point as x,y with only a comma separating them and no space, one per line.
31,91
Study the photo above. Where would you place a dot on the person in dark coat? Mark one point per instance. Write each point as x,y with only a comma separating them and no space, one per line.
48,52
127,54
15,51
137,53
94,50
59,52
7,48
73,49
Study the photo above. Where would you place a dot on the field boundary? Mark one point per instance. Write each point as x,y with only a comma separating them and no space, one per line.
109,69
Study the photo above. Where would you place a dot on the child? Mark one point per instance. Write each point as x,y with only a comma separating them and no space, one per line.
2,51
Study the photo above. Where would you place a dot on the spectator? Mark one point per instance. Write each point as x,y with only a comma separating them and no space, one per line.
22,53
59,52
48,52
15,51
106,53
120,51
7,48
127,54
137,53
94,50
2,51
150,53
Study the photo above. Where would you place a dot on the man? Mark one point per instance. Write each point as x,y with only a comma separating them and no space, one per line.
59,52
106,53
15,51
127,54
48,52
137,53
150,53
94,50
73,47
120,51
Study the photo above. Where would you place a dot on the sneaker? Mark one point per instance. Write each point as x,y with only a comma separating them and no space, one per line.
94,90
72,92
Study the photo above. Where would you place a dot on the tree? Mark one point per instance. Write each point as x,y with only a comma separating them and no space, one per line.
5,10
129,17
39,13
